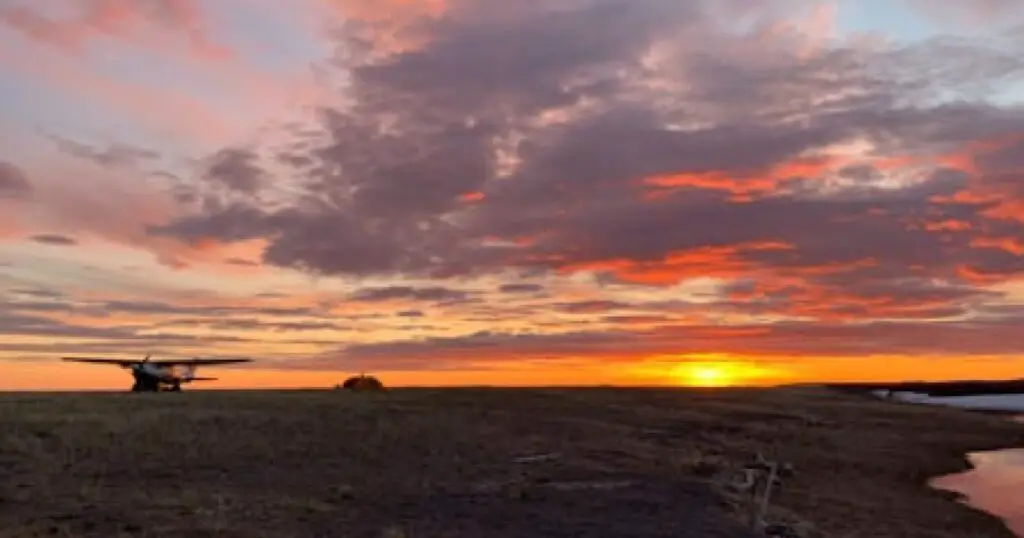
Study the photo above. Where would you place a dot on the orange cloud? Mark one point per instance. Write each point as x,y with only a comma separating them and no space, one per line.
718,261
950,225
754,182
1004,202
470,197
1009,244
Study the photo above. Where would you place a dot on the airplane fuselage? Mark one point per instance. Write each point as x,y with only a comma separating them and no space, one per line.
152,377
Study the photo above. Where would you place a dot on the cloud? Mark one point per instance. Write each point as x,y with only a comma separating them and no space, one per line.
54,239
410,314
724,163
827,196
779,343
236,169
30,325
13,181
39,323
975,12
164,308
107,198
179,74
116,155
590,306
520,288
409,293
124,19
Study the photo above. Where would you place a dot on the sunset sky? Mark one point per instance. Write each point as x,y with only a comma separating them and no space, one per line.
513,192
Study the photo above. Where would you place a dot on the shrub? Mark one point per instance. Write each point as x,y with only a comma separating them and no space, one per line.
363,383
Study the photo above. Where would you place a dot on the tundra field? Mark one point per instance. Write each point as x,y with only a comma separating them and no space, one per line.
481,463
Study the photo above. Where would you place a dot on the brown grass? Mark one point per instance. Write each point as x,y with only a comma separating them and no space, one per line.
425,463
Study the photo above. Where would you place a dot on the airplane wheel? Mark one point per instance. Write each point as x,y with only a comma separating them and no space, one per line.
176,387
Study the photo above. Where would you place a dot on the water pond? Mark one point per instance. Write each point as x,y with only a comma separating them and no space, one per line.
995,483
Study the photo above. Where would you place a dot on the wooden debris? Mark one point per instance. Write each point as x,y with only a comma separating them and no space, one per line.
539,458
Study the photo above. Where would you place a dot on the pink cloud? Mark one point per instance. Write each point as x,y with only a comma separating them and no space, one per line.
220,96
88,203
159,108
388,25
148,21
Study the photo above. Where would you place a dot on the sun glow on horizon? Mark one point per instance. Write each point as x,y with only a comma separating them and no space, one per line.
707,375
719,373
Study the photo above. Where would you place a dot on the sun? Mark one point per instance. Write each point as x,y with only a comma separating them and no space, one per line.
707,375
711,374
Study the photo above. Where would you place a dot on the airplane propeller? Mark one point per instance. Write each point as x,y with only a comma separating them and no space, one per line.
129,365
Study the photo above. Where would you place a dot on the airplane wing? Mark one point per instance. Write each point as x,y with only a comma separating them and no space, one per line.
94,360
197,362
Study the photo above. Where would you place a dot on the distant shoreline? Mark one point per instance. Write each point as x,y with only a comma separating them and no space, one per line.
940,388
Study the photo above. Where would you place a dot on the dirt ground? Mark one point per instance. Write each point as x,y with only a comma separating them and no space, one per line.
441,463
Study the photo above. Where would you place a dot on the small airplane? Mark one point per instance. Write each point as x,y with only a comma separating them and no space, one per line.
154,375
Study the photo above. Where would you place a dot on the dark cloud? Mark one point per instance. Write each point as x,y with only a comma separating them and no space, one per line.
782,341
253,324
13,181
410,314
241,262
236,169
177,314
668,146
38,293
393,200
54,239
520,288
165,308
13,323
588,307
96,330
644,319
409,293
22,306
116,155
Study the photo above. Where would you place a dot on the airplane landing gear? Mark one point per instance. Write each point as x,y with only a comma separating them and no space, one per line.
143,384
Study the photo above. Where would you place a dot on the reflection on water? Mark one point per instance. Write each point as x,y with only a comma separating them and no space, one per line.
993,485
996,481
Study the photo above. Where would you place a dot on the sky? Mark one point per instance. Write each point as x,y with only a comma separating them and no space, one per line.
443,192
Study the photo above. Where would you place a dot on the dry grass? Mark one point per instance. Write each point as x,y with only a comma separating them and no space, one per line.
426,463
